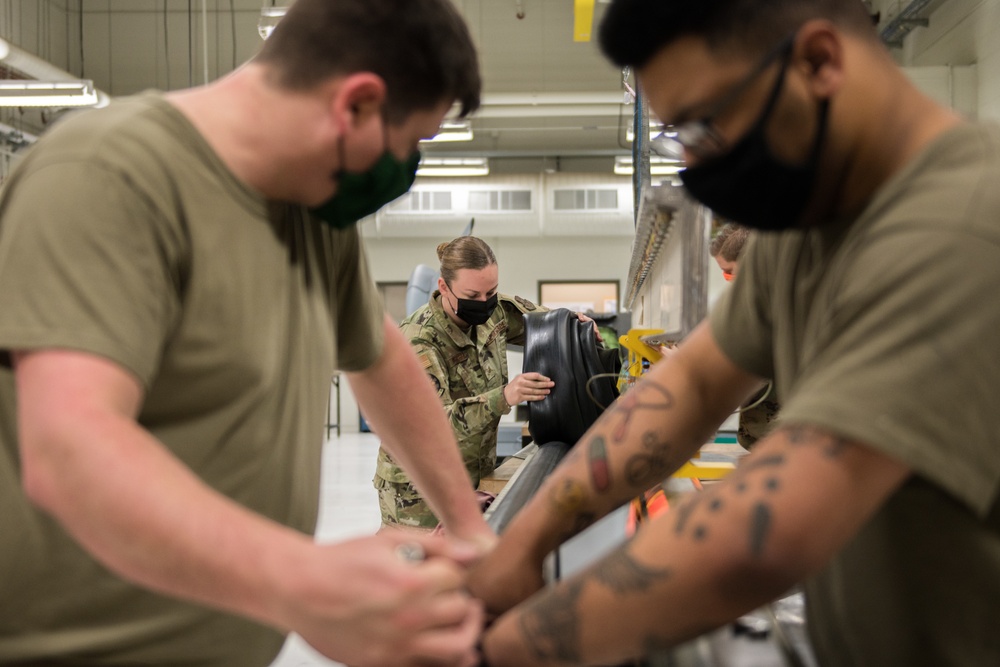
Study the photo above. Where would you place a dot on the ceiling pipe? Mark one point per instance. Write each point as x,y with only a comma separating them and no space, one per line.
906,20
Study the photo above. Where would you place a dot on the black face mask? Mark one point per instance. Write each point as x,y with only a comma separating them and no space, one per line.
474,312
749,185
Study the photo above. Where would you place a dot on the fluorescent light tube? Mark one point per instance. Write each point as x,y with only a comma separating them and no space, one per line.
454,166
22,93
630,134
452,131
657,166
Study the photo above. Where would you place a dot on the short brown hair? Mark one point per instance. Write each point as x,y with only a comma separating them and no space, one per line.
465,252
421,48
729,242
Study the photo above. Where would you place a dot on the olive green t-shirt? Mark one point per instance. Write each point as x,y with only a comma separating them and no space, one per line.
884,330
123,235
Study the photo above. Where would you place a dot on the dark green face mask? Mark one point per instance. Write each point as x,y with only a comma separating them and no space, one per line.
361,194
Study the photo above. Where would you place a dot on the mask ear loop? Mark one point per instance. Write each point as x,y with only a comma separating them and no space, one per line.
455,309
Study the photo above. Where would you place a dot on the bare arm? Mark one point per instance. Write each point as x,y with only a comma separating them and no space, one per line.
790,505
145,516
648,433
396,393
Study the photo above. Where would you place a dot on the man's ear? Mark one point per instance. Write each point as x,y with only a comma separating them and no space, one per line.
819,46
358,99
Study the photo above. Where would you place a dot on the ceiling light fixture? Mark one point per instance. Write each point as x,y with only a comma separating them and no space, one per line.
454,166
269,17
653,133
57,94
452,130
30,68
658,166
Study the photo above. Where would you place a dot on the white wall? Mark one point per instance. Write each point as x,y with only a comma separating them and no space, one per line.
961,33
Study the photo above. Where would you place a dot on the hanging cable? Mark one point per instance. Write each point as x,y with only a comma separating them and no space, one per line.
232,21
590,381
83,70
204,38
763,397
166,42
38,33
190,46
111,71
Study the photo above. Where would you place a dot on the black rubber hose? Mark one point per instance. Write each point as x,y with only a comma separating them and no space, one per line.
528,480
564,349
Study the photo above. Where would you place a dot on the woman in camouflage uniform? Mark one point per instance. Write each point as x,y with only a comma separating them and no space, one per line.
461,338
760,409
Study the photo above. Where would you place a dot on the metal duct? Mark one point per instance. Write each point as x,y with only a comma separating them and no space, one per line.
900,26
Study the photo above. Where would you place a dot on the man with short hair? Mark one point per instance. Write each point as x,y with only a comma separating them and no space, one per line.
869,298
180,276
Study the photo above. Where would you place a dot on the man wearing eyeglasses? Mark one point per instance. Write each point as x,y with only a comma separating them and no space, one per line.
869,297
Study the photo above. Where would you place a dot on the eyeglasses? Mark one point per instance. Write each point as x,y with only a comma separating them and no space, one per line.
701,137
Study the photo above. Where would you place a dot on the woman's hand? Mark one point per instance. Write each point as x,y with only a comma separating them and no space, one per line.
527,387
597,331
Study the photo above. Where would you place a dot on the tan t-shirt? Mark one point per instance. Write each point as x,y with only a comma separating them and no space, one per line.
885,330
122,234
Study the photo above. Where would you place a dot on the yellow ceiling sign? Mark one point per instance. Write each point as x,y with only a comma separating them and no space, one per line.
583,20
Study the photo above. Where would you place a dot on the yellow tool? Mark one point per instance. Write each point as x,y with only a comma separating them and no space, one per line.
638,351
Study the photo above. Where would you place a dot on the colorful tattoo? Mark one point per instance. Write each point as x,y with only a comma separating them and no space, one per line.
644,396
568,497
600,472
650,466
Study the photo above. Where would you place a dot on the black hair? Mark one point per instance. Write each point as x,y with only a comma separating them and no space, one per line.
633,31
421,49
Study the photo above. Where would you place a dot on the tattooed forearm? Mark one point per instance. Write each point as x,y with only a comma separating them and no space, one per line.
551,626
684,513
771,461
623,574
760,528
600,471
833,446
695,515
644,396
651,465
568,498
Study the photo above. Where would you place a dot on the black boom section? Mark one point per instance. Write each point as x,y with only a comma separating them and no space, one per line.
564,349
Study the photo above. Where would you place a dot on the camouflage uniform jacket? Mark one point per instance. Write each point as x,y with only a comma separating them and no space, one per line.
469,373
